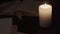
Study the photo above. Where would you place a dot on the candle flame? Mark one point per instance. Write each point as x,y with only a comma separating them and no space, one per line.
45,5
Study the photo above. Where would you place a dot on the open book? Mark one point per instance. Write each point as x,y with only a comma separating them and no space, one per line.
5,25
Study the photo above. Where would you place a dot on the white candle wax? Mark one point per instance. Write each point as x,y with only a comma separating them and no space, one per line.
45,14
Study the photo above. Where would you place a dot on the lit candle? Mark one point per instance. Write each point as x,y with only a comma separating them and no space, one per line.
45,15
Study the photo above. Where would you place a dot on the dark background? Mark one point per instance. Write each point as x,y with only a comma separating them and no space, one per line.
56,12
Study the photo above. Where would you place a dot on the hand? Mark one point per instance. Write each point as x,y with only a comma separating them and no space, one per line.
14,29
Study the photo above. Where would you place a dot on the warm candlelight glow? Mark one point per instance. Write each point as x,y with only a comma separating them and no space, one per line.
45,6
45,14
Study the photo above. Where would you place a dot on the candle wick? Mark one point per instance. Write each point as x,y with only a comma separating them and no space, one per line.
45,4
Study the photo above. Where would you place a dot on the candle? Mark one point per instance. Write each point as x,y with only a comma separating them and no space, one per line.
45,15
